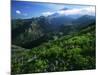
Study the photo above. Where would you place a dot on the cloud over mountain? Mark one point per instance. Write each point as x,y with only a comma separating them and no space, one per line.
81,11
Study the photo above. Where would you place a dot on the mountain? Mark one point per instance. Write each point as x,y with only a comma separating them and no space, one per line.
60,20
24,32
56,20
35,31
85,20
53,43
67,53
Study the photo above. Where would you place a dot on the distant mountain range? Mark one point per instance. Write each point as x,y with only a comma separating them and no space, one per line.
34,31
56,20
85,19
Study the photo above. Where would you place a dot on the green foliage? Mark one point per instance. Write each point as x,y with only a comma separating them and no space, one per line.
70,52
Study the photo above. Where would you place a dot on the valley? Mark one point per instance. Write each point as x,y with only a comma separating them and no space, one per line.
40,48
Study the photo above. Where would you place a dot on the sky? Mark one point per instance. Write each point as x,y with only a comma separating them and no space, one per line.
24,9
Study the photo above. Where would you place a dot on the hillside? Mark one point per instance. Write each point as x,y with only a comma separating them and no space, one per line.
69,52
35,31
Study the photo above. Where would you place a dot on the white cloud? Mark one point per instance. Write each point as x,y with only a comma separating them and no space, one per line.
69,12
89,10
47,13
82,11
18,11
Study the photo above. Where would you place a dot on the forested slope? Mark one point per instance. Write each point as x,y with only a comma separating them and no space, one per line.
69,52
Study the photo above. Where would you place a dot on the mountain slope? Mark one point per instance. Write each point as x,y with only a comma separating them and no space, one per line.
24,32
35,31
84,20
70,52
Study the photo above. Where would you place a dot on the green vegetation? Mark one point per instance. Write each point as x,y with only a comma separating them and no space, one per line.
75,51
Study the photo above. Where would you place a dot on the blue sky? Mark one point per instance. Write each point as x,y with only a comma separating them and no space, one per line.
24,9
